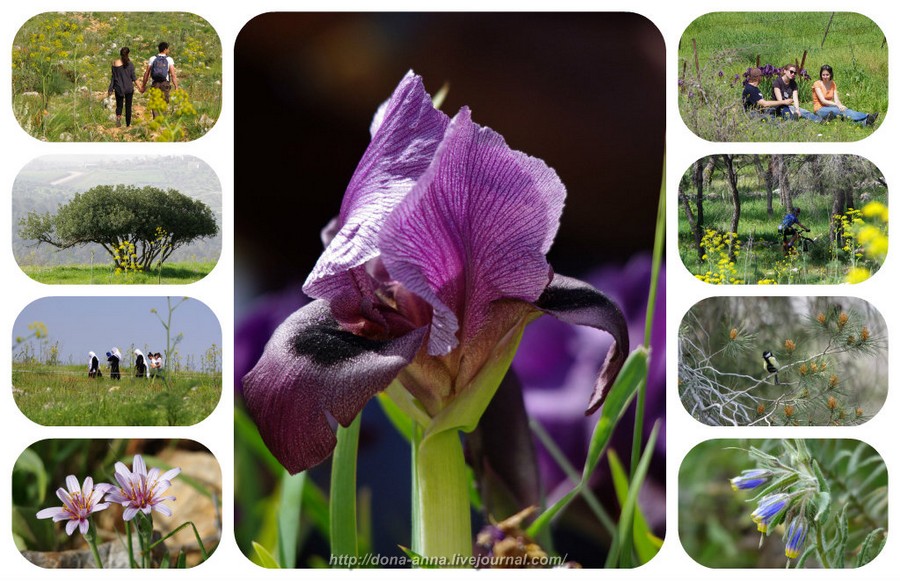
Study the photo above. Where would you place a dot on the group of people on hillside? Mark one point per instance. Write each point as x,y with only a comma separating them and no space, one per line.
785,98
144,367
159,71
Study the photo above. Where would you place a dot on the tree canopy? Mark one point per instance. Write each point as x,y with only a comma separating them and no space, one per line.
137,226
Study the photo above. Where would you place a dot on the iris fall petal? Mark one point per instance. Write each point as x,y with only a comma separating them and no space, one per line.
312,369
578,303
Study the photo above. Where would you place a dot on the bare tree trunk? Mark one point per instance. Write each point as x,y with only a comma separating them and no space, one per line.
698,202
784,185
731,179
709,170
765,176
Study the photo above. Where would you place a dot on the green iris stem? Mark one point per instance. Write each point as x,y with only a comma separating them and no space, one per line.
441,501
637,439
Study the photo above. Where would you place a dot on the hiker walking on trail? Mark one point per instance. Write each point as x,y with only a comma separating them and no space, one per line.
121,82
160,71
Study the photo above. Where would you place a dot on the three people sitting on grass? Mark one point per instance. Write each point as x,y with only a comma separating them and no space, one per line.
785,101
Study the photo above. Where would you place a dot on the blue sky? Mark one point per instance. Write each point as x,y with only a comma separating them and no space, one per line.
82,324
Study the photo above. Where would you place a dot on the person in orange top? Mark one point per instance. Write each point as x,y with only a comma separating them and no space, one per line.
827,104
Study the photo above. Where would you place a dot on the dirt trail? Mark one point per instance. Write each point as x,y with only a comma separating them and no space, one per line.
139,116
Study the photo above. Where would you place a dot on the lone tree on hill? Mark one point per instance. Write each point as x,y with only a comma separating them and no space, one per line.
138,227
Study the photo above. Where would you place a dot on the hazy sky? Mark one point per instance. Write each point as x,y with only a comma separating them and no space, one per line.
82,324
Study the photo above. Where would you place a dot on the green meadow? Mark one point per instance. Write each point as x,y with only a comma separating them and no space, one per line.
61,69
103,273
63,395
718,48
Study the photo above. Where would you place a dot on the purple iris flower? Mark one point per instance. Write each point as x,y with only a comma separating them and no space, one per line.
431,270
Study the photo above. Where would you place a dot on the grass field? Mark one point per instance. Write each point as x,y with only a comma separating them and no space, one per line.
728,43
61,69
63,395
177,273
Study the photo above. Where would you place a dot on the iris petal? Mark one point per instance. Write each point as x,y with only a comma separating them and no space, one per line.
406,133
312,368
578,303
474,229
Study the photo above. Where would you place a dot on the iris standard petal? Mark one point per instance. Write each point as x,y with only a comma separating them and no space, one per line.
403,144
311,368
475,229
578,303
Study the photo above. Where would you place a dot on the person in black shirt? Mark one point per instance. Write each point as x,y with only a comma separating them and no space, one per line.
121,83
784,87
754,103
113,358
93,365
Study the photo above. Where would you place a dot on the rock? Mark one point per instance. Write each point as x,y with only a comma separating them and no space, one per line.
113,555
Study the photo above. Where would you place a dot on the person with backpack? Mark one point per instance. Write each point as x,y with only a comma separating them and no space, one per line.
160,71
121,83
790,230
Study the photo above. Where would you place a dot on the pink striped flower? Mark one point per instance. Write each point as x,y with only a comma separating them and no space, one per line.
140,490
79,503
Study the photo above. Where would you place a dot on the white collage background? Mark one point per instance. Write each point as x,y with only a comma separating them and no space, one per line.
216,290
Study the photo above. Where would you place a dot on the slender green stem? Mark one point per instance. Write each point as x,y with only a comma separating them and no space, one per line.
820,548
131,562
658,248
91,537
637,440
442,500
145,534
573,476
200,544
343,491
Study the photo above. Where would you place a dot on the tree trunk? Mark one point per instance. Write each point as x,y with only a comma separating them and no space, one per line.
698,201
731,179
765,176
784,185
